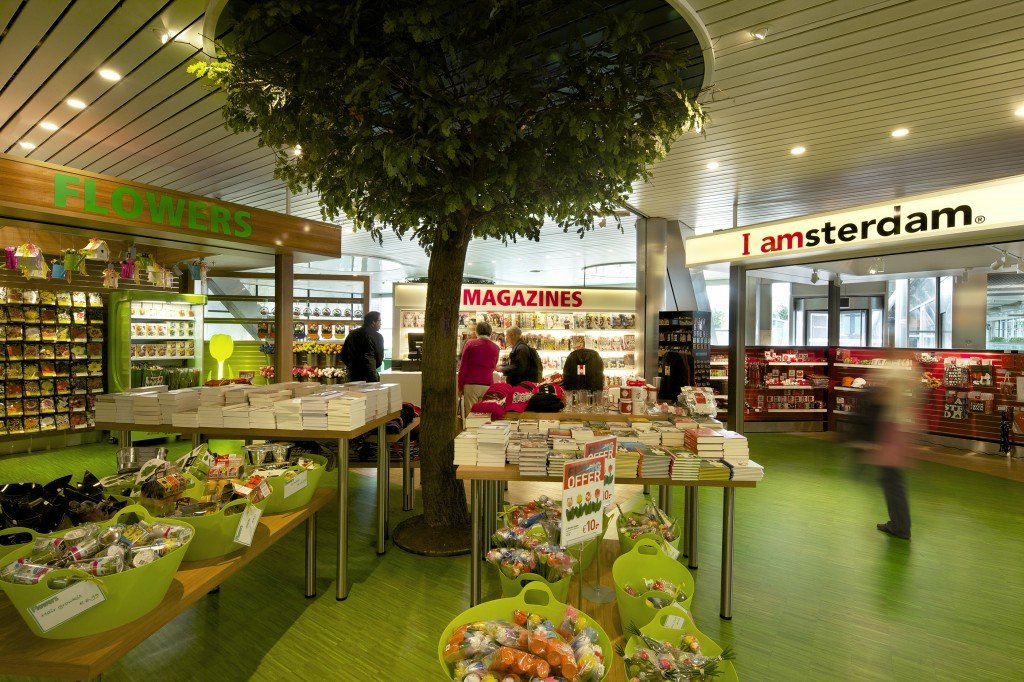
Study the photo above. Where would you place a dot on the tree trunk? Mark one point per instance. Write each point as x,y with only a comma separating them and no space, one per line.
444,497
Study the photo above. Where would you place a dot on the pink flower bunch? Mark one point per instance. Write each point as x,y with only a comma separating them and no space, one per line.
303,371
267,371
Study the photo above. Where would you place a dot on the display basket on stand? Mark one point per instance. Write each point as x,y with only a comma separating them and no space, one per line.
127,595
279,501
646,561
535,598
669,625
215,533
627,543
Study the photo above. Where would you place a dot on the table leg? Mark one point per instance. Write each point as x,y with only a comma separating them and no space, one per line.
408,479
694,524
647,489
383,488
687,512
342,588
311,555
728,521
197,440
124,439
665,499
486,528
476,554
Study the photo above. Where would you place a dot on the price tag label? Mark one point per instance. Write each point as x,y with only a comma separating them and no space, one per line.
296,484
670,550
66,604
247,525
581,370
674,622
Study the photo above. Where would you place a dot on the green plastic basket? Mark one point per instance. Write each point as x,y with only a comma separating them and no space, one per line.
277,503
510,587
665,626
626,543
127,596
215,533
646,560
535,598
590,547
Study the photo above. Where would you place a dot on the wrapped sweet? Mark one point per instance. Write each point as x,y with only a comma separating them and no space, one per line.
654,660
647,522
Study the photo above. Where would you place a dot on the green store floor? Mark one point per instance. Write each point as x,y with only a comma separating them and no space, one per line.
820,594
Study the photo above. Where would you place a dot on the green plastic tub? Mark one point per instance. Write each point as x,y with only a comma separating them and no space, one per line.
590,547
127,596
626,543
646,560
277,503
669,625
215,533
510,587
535,598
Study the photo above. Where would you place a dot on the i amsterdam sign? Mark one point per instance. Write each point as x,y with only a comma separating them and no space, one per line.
913,224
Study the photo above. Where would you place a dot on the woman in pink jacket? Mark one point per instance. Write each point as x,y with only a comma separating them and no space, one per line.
476,367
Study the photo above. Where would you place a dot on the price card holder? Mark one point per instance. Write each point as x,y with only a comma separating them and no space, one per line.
296,484
247,525
669,549
674,622
66,604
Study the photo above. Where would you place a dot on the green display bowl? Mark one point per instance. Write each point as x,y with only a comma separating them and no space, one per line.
665,626
646,560
277,503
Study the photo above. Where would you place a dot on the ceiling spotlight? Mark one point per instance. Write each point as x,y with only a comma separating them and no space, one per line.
109,74
838,280
712,165
760,33
46,125
27,146
797,151
1019,112
877,267
997,263
76,104
297,150
814,276
900,132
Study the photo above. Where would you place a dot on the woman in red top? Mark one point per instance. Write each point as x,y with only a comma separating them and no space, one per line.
476,367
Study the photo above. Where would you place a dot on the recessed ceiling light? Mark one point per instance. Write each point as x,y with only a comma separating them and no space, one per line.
76,104
468,263
1019,112
46,125
797,151
760,33
900,132
494,261
27,146
712,165
109,74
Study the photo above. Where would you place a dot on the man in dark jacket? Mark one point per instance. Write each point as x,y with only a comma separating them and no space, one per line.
523,362
363,351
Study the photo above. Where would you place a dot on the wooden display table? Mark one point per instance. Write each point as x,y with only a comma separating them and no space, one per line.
343,438
84,658
485,490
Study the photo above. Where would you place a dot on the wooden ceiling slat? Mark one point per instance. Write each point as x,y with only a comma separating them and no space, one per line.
200,158
8,8
35,19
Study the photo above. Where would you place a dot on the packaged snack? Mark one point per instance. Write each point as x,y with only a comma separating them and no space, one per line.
101,565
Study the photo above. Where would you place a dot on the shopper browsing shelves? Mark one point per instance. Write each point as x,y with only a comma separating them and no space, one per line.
363,351
524,363
477,365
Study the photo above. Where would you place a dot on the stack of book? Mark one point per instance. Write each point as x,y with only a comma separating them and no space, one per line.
267,397
649,437
581,434
475,420
685,465
288,414
211,396
713,470
533,455
186,420
146,408
734,448
706,443
466,448
238,395
545,425
627,459
211,416
751,471
529,426
378,400
684,423
106,408
313,411
671,437
556,462
394,392
304,388
346,412
180,400
655,462
562,444
262,417
123,408
491,441
236,416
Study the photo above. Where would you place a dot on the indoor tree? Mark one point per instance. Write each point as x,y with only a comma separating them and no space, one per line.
448,120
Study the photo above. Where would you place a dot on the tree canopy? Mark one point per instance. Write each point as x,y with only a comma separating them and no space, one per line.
410,112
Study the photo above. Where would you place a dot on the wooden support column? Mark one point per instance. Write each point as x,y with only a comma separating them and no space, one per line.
737,345
284,299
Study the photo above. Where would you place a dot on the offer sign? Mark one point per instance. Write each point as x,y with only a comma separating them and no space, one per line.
582,500
604,447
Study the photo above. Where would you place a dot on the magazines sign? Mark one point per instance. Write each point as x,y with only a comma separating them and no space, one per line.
582,500
604,447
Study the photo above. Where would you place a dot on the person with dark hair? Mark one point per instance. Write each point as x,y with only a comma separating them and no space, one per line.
476,366
524,363
363,351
